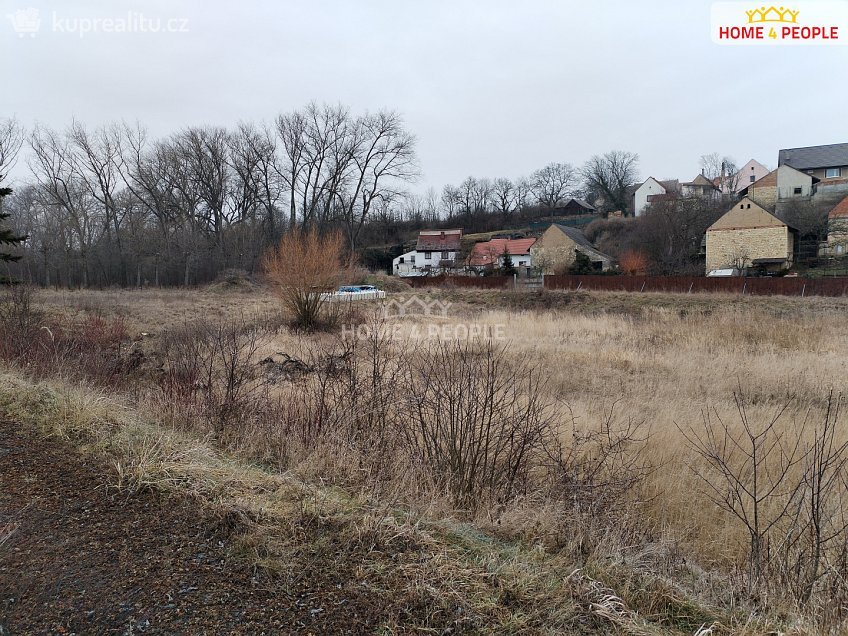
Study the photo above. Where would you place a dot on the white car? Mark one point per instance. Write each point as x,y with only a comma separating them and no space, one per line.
355,292
729,271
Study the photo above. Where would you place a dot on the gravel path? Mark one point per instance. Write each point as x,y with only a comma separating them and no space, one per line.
84,559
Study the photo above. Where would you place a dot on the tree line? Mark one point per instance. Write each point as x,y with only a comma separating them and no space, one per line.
114,206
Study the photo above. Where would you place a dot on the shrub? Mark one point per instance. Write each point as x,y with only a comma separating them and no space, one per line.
302,268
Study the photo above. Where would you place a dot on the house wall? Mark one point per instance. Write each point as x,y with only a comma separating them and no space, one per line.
421,264
744,174
518,260
820,172
649,188
764,196
837,236
724,247
554,251
789,179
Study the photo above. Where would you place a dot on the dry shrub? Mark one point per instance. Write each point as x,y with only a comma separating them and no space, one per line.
633,262
94,347
302,268
209,371
477,419
785,482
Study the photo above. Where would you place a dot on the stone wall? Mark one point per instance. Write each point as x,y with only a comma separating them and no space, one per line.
729,248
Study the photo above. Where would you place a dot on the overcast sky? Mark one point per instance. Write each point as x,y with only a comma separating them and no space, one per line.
490,88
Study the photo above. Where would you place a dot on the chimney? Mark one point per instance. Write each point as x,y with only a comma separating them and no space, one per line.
723,178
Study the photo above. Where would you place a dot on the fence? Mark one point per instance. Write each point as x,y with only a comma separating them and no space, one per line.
684,284
479,282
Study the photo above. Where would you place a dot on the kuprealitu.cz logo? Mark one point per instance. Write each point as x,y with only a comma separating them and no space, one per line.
799,23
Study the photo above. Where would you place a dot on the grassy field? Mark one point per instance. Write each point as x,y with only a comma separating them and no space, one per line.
639,547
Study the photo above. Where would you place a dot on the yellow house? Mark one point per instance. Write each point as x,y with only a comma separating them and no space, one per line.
557,248
749,236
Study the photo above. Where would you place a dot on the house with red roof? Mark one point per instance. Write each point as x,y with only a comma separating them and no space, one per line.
492,254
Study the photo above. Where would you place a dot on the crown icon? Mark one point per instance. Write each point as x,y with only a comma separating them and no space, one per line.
772,14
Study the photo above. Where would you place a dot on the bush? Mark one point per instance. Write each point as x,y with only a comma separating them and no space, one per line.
302,268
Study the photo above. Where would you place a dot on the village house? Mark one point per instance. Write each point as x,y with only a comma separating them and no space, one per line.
649,188
749,236
653,190
827,163
700,187
734,183
556,250
492,254
435,252
782,184
837,229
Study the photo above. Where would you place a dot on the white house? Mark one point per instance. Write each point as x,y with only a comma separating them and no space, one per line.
651,187
435,252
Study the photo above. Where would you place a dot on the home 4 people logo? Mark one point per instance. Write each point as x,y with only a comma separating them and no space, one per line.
415,306
803,23
25,22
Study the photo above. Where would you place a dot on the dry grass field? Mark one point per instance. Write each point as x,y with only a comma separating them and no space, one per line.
621,530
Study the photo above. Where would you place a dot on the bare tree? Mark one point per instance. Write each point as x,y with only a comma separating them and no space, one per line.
503,192
11,139
382,159
749,473
97,159
66,193
450,201
553,183
523,188
722,168
609,177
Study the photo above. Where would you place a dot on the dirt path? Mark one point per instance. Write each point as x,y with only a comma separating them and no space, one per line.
84,559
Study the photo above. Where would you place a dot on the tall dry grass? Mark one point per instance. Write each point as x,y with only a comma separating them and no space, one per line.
645,375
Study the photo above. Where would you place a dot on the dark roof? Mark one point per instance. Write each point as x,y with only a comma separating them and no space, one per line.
439,240
811,157
580,202
578,237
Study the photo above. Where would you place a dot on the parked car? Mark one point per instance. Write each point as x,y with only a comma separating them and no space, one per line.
355,292
728,271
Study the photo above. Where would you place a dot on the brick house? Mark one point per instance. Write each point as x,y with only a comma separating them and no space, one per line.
749,236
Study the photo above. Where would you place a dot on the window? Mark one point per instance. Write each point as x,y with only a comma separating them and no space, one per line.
401,260
753,178
427,255
832,173
412,259
796,191
445,255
